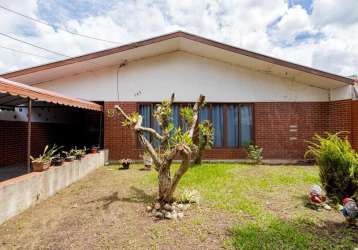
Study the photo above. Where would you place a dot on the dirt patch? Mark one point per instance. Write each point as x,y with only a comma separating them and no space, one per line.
106,210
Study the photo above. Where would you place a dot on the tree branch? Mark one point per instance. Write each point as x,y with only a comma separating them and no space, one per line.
122,113
140,130
185,153
149,148
138,126
196,108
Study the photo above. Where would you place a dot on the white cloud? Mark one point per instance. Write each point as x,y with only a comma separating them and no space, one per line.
295,21
269,27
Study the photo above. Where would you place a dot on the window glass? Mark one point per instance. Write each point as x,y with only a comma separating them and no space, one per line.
232,126
176,116
245,124
145,112
204,113
217,117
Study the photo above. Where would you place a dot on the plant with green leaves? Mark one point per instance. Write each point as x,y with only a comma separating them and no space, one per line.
47,155
338,164
187,142
254,153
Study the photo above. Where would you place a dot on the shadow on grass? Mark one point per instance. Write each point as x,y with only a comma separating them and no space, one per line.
139,196
298,234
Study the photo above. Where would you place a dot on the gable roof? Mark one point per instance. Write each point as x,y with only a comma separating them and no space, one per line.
173,42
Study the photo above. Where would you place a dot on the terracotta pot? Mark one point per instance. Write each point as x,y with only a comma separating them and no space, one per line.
93,150
147,160
39,166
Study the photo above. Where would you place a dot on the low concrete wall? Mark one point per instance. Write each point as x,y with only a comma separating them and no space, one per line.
20,193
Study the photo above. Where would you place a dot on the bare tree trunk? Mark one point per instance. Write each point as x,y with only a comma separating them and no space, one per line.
199,157
165,185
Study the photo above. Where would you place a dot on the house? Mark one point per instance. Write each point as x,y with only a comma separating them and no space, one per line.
251,97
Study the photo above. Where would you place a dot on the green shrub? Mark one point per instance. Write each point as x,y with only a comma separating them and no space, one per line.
254,153
338,165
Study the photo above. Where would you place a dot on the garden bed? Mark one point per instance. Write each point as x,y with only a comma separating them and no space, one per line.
239,205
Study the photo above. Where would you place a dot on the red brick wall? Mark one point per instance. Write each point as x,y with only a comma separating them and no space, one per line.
354,126
120,141
12,142
13,139
281,128
340,116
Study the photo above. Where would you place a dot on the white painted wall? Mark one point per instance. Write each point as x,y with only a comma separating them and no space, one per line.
342,93
187,76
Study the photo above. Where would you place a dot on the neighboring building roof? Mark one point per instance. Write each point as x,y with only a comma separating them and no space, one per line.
173,42
8,89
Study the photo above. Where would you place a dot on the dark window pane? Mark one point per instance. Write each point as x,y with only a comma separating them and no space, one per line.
218,125
204,114
176,116
145,112
232,126
245,124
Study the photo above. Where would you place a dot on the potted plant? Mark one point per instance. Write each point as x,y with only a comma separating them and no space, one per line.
43,162
57,161
69,155
147,160
78,153
94,149
125,163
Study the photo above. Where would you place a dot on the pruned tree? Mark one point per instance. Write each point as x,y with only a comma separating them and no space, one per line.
186,143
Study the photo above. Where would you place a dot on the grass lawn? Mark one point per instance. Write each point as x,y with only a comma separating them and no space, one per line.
242,207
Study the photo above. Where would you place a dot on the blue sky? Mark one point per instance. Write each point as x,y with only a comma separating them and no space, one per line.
317,33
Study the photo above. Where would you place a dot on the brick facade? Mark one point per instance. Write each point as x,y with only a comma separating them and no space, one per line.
281,128
13,139
354,128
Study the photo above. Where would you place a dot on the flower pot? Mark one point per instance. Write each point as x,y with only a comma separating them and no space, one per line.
126,165
79,157
69,158
148,161
93,150
39,166
57,162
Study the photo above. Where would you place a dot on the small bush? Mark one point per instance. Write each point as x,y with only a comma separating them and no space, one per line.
254,153
190,196
338,165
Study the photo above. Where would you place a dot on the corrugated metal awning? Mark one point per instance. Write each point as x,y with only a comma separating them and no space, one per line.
13,94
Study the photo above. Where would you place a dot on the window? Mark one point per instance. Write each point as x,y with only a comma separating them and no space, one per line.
217,118
232,123
232,126
245,125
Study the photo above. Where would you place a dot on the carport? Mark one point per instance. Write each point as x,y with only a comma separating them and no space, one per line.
16,95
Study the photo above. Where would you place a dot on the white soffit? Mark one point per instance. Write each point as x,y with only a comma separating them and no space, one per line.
138,53
251,63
